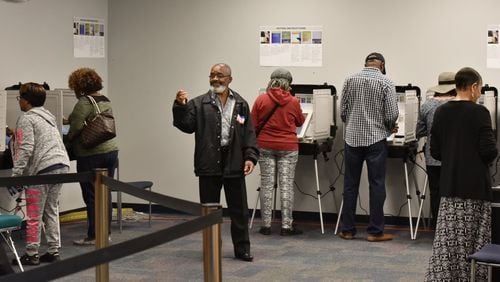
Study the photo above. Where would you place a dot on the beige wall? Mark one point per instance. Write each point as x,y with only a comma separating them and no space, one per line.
158,46
37,45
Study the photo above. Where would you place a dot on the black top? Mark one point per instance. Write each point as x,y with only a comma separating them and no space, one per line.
463,140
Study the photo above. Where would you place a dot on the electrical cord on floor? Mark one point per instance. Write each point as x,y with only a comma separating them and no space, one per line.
332,184
399,212
16,209
340,168
8,211
302,192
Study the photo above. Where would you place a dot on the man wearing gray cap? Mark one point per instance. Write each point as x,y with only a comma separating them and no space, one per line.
276,116
225,148
369,111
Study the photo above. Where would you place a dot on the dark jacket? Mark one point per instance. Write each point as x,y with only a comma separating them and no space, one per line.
201,116
463,140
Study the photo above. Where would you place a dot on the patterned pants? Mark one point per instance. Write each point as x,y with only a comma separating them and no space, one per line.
463,227
41,206
285,162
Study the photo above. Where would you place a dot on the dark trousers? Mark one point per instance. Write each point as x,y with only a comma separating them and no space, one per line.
375,156
89,163
236,198
433,176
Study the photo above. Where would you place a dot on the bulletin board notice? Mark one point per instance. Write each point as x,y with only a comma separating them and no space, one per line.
88,38
296,46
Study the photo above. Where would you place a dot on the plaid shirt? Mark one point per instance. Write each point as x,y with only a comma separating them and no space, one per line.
368,107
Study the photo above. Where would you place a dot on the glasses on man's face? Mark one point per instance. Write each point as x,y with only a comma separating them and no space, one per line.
217,75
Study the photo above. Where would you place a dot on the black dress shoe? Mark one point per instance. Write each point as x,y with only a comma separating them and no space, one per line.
265,230
244,256
290,231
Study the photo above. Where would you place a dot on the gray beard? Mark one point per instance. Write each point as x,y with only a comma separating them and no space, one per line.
218,89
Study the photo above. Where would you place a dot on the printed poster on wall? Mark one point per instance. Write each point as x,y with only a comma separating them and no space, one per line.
296,46
88,38
493,47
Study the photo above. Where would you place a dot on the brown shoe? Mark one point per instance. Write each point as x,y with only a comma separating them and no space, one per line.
346,235
380,238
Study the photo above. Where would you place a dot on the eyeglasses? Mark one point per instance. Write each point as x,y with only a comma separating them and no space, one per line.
217,75
18,98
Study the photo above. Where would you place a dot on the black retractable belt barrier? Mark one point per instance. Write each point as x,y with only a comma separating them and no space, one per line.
117,251
47,179
166,201
81,262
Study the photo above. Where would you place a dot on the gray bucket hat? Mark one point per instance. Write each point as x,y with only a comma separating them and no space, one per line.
446,83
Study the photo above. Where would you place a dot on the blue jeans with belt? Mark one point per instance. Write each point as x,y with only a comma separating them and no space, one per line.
375,156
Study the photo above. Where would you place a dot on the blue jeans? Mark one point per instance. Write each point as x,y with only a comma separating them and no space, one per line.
88,163
375,156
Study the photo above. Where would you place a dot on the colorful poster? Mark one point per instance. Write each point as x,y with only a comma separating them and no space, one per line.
88,38
297,46
493,47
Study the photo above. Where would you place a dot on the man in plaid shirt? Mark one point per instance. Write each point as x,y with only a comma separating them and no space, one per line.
369,111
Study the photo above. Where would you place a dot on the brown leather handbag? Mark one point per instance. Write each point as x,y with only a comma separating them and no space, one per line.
99,128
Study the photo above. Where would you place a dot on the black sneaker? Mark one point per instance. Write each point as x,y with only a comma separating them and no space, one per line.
290,231
28,260
265,230
50,257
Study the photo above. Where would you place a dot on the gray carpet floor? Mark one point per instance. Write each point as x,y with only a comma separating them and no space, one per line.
311,256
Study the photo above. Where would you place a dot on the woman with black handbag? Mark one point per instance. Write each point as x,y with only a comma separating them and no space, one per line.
91,106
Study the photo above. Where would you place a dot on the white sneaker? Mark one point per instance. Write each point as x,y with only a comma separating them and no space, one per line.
87,241
84,242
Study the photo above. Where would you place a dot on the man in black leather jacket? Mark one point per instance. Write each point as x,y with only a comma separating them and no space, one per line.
225,148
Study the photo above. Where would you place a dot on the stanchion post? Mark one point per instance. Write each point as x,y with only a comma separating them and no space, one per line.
101,221
212,261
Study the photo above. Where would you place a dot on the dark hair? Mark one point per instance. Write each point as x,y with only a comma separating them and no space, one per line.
465,77
34,93
84,81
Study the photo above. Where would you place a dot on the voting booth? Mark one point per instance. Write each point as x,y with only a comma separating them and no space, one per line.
319,111
489,99
403,144
318,104
409,107
59,102
53,103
